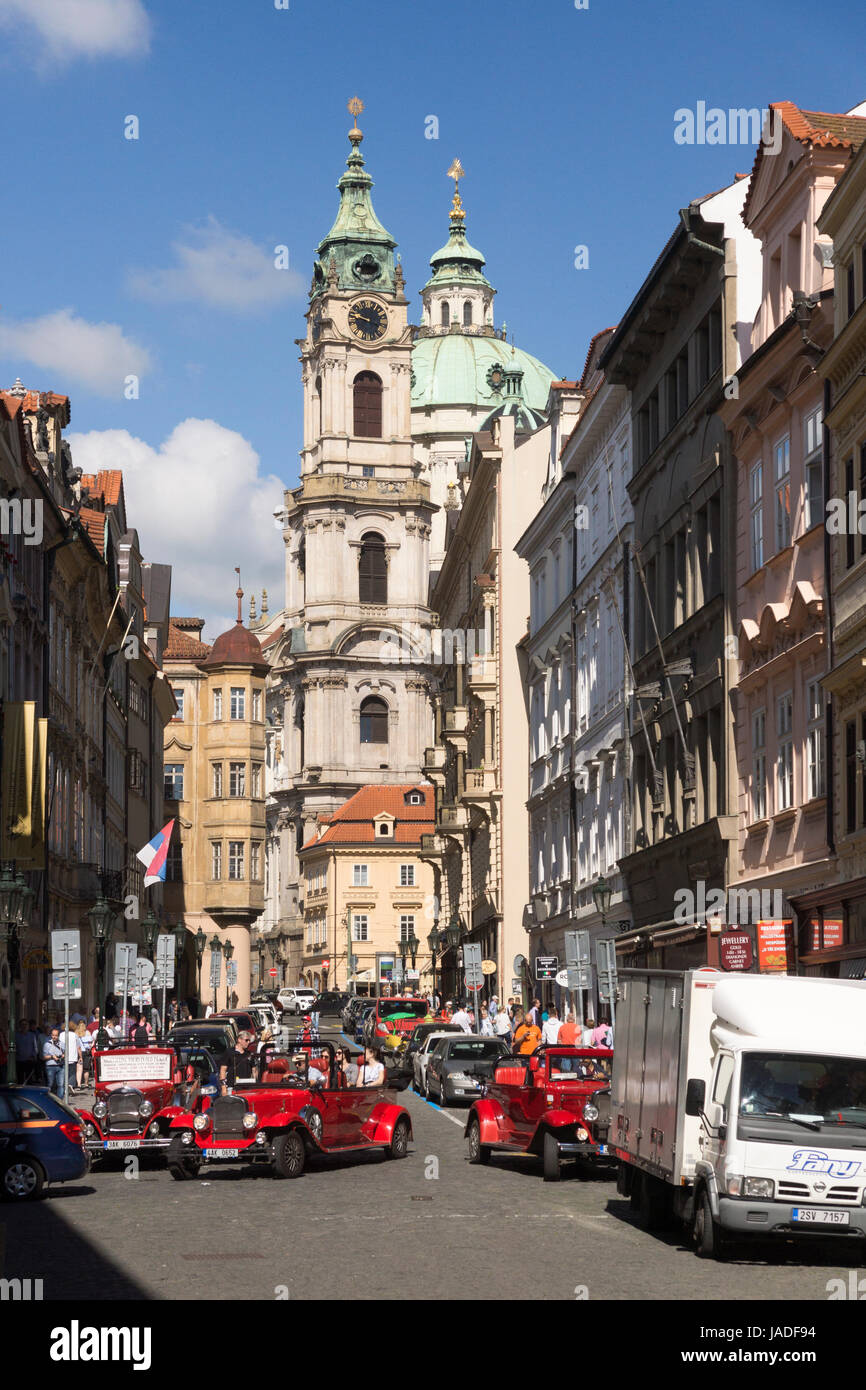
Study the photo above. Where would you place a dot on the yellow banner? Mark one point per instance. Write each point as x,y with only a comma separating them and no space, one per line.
16,776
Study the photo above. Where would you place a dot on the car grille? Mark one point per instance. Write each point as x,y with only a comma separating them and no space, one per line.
227,1114
799,1192
123,1116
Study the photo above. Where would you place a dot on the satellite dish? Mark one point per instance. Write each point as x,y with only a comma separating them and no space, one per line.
519,964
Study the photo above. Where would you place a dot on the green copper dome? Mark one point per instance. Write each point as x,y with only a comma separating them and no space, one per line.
475,370
358,248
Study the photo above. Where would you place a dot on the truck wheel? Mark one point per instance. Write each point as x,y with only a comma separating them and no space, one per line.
704,1232
552,1167
478,1152
399,1145
181,1164
289,1155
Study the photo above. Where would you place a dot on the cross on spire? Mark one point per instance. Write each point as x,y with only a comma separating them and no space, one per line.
355,107
457,172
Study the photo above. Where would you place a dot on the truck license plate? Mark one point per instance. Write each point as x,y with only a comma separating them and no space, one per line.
813,1215
120,1143
221,1153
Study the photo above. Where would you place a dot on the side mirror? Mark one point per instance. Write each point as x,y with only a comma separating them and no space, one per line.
696,1091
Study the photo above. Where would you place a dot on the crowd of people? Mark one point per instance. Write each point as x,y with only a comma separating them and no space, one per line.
41,1052
526,1029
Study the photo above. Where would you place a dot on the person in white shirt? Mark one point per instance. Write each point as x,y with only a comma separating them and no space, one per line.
372,1073
502,1024
486,1023
551,1026
72,1043
462,1019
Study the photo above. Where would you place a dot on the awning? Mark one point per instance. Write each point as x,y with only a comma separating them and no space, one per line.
362,978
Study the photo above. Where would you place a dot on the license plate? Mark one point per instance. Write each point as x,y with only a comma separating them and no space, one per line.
120,1143
221,1153
813,1215
603,1149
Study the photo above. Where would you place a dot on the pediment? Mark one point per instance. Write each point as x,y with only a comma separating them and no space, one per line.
175,742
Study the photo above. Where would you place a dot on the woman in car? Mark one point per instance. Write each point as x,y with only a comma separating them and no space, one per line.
372,1072
346,1066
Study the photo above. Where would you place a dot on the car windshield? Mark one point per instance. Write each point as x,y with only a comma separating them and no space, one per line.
813,1089
392,1010
579,1068
218,1039
484,1050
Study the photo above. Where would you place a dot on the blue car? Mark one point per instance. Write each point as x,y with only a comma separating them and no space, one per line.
41,1141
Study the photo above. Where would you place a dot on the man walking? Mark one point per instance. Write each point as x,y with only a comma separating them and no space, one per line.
551,1027
52,1057
462,1019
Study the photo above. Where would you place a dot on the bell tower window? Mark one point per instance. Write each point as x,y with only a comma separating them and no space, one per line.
373,570
467,313
446,314
374,720
367,403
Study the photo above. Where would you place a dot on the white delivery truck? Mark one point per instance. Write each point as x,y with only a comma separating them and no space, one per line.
738,1105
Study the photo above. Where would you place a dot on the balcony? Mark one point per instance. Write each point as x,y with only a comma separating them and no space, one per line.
480,782
432,847
481,674
454,818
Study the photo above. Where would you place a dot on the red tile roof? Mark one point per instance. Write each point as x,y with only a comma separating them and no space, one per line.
180,644
33,400
104,488
352,823
94,524
820,128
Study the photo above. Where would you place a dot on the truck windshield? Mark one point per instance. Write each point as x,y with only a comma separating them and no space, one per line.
821,1090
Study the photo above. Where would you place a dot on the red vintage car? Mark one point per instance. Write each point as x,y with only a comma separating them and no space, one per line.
139,1090
297,1107
553,1103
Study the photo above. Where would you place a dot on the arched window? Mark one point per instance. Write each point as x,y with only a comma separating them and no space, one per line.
374,720
317,416
300,714
446,314
467,313
372,570
367,400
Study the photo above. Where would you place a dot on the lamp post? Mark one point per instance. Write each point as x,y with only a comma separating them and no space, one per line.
199,953
101,918
12,907
228,952
433,943
149,933
180,935
601,896
412,945
216,947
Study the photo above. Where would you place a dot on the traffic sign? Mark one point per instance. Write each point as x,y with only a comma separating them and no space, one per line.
488,967
472,964
58,985
216,964
164,978
231,973
473,987
143,971
273,972
164,950
66,950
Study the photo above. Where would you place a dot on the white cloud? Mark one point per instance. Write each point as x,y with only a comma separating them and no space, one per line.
95,355
220,268
199,503
80,28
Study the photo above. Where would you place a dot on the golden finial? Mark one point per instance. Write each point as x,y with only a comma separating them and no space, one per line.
355,107
457,172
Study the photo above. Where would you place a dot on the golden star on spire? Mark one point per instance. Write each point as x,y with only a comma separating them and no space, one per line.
457,172
355,107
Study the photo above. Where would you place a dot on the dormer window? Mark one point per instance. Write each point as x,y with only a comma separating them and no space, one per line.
414,799
383,826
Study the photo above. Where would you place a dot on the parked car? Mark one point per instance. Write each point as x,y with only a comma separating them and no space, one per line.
137,1093
266,1016
266,996
41,1142
398,1015
243,1019
295,999
368,1008
554,1104
283,1117
350,1013
217,1036
421,1047
457,1066
331,1002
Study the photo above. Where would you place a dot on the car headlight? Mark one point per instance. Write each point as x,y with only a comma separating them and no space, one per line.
154,1129
759,1187
201,1122
734,1184
250,1120
90,1130
590,1111
100,1109
145,1109
582,1135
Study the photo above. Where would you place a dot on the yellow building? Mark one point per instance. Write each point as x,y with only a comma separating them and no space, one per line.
215,788
368,898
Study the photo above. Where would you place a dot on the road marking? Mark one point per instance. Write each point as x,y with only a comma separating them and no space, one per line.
433,1106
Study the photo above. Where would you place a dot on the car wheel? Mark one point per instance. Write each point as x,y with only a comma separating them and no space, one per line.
478,1152
399,1145
427,1092
443,1099
181,1164
550,1158
23,1179
289,1155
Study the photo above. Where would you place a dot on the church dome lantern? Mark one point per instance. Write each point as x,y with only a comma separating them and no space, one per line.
358,252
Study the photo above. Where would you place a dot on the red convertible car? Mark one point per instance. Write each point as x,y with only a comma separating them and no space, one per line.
297,1107
138,1092
553,1103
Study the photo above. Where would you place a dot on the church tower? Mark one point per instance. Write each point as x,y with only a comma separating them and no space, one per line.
350,673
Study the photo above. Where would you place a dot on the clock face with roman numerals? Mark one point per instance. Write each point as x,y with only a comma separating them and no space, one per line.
367,320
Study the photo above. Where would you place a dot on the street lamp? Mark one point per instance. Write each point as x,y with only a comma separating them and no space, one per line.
180,934
601,896
199,952
216,947
149,933
12,908
433,943
102,918
228,952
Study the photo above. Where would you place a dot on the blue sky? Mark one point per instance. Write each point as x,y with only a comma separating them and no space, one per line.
155,255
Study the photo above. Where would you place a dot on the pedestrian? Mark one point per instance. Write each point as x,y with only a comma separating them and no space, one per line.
81,1032
603,1036
86,1040
52,1057
493,1006
462,1019
502,1025
486,1028
569,1033
93,1025
527,1035
25,1052
534,1013
552,1027
71,1045
140,1034
587,1034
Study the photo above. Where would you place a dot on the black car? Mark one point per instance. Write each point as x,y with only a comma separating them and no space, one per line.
267,996
331,1001
217,1038
458,1067
350,1012
401,1068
